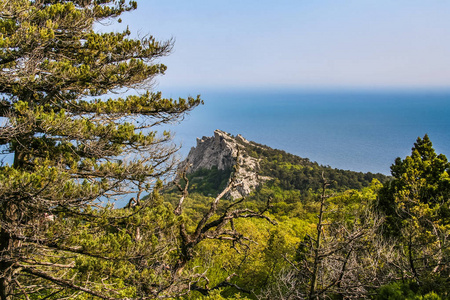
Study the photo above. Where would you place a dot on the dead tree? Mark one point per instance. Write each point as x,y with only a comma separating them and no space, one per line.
317,241
341,259
221,228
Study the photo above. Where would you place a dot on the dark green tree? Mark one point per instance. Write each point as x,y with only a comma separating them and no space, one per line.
74,147
416,203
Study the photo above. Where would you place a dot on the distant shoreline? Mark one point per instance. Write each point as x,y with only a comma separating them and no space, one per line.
358,131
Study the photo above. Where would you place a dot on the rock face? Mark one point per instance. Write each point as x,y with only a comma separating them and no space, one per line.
221,151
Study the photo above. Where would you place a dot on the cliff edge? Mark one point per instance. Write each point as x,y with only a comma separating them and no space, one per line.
221,151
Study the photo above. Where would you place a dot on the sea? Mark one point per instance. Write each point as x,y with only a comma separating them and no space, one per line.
359,130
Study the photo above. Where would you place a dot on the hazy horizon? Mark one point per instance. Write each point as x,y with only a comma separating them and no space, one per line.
299,44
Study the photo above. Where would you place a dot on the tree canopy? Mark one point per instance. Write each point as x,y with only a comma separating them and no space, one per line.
421,179
74,146
78,132
416,203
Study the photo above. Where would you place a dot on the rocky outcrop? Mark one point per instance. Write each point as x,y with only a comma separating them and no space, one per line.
222,151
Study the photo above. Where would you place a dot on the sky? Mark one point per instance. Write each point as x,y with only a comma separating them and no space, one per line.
300,43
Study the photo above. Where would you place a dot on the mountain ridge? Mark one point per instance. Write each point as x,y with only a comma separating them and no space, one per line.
260,164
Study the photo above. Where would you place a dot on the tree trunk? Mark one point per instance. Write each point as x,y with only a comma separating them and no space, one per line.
317,246
10,216
5,278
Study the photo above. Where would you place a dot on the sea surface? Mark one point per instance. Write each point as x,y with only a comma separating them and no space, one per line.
353,130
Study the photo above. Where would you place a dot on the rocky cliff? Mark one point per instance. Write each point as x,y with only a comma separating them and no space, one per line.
221,151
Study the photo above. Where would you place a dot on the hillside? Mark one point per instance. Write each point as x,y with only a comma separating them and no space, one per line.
290,231
210,163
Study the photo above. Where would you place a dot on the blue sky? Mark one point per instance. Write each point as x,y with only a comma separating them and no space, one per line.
300,44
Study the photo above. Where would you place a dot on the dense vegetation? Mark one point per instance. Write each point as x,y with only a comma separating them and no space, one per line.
288,172
208,182
296,173
311,232
381,241
75,145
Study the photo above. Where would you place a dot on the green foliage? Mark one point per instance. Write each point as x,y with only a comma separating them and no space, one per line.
421,187
354,257
75,148
293,179
408,291
416,204
296,173
208,182
217,295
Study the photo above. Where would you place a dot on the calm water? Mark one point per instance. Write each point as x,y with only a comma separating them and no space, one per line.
361,131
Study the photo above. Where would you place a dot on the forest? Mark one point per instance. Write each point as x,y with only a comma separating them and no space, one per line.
73,145
387,238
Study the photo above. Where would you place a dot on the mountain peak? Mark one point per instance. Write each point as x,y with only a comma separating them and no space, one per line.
223,151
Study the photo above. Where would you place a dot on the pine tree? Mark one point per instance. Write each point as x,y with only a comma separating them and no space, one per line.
416,203
421,179
74,148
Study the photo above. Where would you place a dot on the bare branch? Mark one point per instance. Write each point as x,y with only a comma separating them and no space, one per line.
64,283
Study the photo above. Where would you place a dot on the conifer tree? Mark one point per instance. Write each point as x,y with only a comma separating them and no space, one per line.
72,147
416,203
